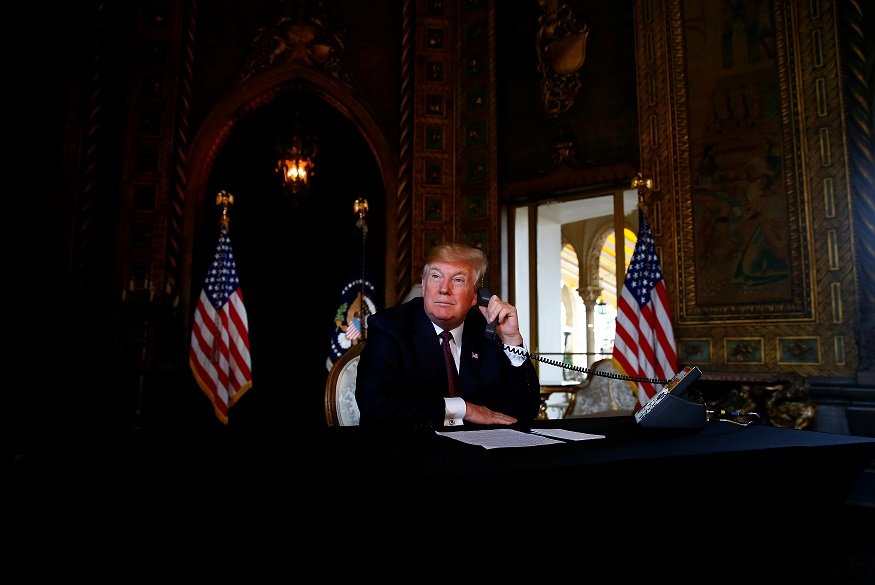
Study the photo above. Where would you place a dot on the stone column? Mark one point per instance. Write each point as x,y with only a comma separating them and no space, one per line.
590,295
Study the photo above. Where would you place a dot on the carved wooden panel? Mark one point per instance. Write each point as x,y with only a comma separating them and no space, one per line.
434,76
477,218
454,139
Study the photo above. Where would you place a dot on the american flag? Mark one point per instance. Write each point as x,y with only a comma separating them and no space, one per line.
644,346
219,356
353,330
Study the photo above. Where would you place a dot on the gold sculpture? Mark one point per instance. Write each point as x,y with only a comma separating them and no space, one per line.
786,404
561,48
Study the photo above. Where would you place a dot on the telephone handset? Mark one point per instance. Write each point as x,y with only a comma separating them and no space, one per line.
678,385
483,296
672,412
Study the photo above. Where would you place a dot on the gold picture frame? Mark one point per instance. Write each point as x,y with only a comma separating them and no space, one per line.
726,92
745,257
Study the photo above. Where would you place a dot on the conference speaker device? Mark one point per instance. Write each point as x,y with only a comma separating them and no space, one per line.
668,409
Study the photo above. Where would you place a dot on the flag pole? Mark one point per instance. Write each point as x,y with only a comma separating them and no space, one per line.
226,200
360,207
645,187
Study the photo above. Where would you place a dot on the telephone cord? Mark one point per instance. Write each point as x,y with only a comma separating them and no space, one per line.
614,375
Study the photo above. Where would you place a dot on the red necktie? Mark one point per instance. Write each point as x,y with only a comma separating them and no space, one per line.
452,374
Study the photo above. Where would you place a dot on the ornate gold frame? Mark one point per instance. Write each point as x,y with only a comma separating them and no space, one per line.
819,296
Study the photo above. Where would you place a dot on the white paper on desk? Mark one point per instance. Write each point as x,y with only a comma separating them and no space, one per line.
499,438
567,435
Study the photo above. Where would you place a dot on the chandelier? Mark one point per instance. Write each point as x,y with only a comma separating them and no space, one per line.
296,162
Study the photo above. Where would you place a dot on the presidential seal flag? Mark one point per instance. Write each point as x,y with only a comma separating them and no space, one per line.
356,301
350,321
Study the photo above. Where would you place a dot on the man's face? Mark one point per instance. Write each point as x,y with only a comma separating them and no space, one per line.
449,290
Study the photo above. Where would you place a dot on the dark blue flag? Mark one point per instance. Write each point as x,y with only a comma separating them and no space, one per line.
356,301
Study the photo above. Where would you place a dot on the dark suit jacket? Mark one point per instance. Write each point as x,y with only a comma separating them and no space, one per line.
402,378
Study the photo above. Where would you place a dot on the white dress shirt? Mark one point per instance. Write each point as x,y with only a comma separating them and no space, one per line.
454,408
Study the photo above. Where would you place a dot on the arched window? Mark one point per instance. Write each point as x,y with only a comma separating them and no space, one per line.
606,305
573,319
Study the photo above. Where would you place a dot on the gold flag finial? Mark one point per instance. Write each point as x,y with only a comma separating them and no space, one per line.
644,186
226,200
640,183
360,207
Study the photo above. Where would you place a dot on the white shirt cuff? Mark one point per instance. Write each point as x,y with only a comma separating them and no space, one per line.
516,359
454,412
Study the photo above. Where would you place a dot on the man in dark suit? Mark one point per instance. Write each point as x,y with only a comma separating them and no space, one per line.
403,378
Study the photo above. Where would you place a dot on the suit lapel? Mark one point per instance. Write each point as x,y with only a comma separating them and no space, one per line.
470,358
427,346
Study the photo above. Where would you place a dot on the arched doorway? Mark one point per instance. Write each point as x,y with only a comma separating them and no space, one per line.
292,255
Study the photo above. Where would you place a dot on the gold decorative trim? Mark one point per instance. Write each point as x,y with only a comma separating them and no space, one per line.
308,40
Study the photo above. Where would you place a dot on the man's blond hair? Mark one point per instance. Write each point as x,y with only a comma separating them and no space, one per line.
474,257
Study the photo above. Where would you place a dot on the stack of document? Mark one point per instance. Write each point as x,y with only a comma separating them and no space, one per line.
500,438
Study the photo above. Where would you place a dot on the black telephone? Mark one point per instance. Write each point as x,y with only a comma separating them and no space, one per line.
483,296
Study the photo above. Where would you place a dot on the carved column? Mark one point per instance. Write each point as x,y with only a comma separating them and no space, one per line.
590,295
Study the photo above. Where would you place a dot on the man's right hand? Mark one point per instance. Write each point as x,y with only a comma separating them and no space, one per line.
474,413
